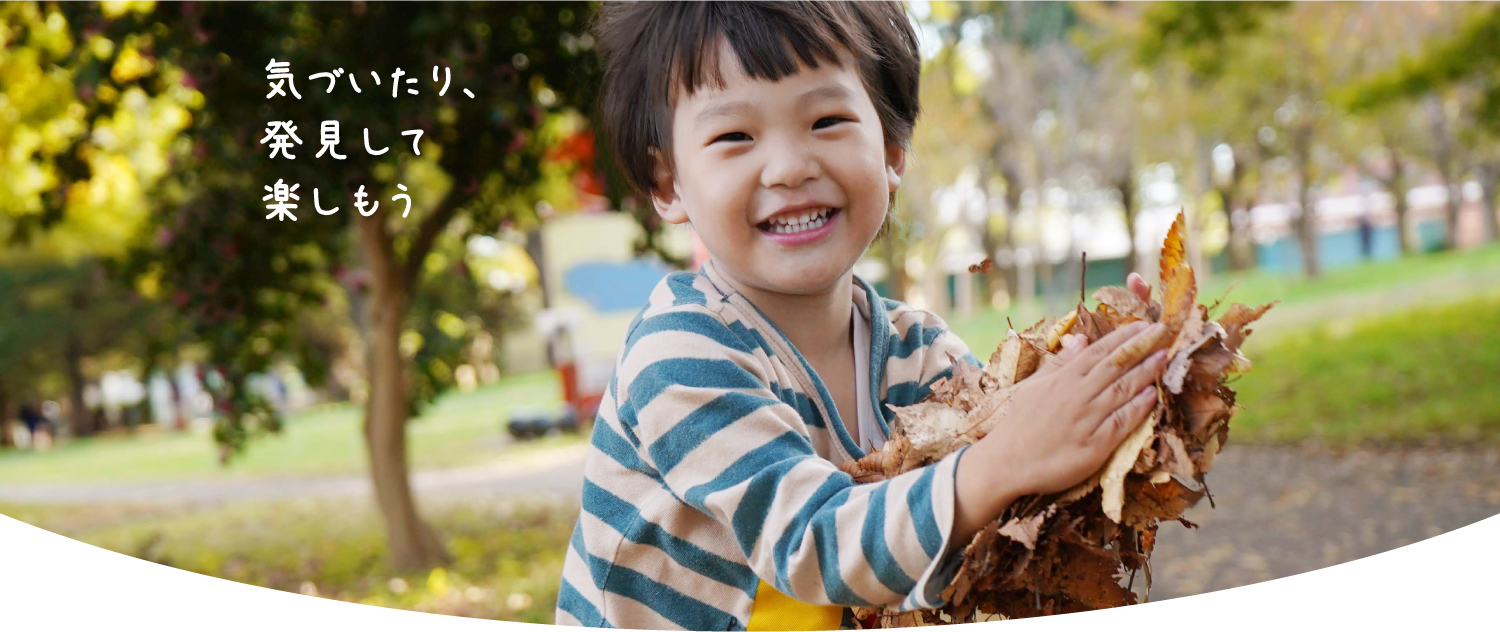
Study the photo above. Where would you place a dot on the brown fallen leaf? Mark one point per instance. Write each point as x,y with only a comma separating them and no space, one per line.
1124,302
1024,530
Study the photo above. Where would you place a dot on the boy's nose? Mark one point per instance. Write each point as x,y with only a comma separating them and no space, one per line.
789,165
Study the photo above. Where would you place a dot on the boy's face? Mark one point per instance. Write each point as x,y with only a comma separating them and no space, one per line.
786,182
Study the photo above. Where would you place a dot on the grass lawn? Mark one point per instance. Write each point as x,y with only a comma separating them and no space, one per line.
1419,275
507,559
459,429
1431,374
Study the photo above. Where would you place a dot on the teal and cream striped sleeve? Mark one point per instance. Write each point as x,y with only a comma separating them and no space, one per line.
703,410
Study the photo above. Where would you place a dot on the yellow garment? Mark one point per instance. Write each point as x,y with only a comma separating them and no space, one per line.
775,611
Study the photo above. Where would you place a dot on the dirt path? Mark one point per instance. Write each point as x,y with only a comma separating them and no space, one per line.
551,472
1284,511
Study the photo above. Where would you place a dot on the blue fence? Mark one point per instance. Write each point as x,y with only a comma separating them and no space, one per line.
1343,248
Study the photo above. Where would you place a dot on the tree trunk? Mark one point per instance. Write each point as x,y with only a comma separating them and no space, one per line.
1488,173
1307,219
1013,186
1451,211
1444,155
1242,254
1126,185
994,280
1395,184
179,407
79,419
895,269
7,439
413,543
1403,234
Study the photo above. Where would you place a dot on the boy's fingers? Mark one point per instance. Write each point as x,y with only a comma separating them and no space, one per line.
1072,345
1100,349
1137,286
1129,385
1125,418
1125,357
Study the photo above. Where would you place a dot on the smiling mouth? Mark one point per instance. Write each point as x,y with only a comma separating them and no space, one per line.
793,223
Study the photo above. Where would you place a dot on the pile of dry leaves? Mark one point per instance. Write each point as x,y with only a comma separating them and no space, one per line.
1080,549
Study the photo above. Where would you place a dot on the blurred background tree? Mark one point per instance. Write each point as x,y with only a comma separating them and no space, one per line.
137,142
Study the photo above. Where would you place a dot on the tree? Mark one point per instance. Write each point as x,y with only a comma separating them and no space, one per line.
1246,45
1446,77
243,280
91,124
240,282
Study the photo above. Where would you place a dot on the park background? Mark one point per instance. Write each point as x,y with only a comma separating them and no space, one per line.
329,406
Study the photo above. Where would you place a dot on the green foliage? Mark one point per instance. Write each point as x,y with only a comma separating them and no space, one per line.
1199,32
1471,53
46,307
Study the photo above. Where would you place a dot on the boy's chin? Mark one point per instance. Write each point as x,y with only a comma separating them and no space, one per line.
802,281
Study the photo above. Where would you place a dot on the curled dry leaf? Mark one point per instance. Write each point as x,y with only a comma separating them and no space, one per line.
1072,551
1124,303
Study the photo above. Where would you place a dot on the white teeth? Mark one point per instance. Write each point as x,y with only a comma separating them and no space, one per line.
799,223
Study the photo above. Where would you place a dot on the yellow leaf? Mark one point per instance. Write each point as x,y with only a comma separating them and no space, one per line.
1179,289
1112,481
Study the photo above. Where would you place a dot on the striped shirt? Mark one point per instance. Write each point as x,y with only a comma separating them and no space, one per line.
713,470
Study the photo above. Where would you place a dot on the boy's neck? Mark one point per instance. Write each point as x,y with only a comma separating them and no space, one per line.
816,324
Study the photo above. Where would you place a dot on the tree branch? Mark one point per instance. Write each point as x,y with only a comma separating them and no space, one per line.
428,231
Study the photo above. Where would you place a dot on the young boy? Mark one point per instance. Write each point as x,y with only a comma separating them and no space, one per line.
712,497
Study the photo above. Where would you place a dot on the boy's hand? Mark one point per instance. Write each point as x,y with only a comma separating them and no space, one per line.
1065,421
1062,423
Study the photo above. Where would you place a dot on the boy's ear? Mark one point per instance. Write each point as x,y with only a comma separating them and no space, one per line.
665,197
895,166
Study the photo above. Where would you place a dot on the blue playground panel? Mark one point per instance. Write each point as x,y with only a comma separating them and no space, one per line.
610,286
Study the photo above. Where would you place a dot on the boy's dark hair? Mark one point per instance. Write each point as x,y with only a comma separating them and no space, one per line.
650,49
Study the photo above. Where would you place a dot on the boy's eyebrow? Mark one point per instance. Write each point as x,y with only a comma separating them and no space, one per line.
729,109
828,92
720,109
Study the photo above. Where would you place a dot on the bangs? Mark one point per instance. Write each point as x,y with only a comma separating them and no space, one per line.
769,42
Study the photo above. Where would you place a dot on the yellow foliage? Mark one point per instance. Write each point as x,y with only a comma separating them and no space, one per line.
116,8
148,284
129,66
450,324
43,116
437,581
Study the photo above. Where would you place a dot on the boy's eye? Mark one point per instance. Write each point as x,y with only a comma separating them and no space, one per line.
732,137
828,121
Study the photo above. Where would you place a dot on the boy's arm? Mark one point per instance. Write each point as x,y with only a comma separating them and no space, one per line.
697,404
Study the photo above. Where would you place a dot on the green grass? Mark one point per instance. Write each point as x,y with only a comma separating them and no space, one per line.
507,559
1418,275
459,429
1421,376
